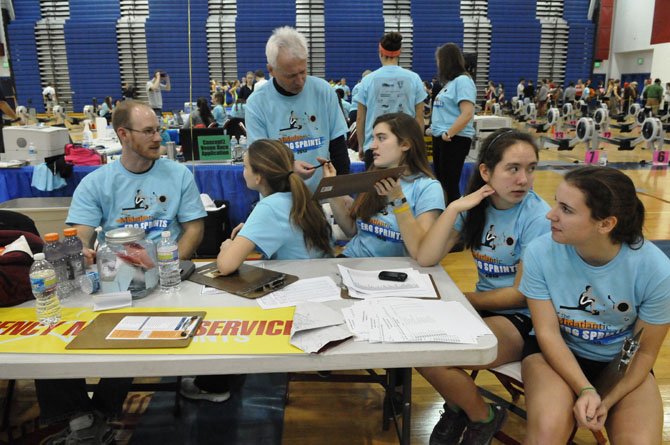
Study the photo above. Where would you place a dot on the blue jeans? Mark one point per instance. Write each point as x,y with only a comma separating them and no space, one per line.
61,399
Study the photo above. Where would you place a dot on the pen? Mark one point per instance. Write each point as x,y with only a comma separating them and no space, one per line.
186,326
314,167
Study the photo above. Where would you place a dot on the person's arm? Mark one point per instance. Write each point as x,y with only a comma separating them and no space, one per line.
233,253
562,360
442,236
156,82
418,110
650,344
501,298
340,205
191,237
413,229
168,86
467,113
339,156
7,110
360,128
87,236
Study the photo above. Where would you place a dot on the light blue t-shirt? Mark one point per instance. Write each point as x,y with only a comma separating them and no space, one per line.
389,89
597,306
306,122
506,235
380,236
284,241
219,115
157,200
354,93
237,111
446,106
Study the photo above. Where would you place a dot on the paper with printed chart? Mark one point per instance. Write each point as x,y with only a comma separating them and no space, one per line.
366,284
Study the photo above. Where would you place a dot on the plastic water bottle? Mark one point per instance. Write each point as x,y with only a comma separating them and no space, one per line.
243,145
168,263
43,281
87,136
32,153
54,252
76,263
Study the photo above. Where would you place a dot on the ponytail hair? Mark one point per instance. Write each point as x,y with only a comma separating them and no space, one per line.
273,161
490,154
609,192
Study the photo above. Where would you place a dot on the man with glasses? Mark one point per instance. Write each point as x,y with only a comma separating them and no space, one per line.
138,190
299,110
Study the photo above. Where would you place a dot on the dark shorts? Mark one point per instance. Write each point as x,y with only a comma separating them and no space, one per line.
521,322
590,368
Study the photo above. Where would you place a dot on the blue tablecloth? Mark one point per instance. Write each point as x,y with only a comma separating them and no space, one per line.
220,181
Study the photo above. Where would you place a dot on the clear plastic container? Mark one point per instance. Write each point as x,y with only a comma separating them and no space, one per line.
76,263
43,281
168,263
54,253
127,262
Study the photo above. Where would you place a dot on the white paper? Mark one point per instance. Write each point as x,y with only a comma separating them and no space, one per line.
161,327
18,245
315,325
366,284
309,289
208,203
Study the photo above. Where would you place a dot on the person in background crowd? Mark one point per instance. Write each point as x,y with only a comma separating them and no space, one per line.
342,85
654,96
219,112
106,109
129,91
260,79
155,87
393,219
50,98
529,91
248,87
520,89
497,219
453,115
388,89
299,110
202,116
666,98
570,93
590,284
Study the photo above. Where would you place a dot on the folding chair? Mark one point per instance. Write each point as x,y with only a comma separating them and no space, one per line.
509,375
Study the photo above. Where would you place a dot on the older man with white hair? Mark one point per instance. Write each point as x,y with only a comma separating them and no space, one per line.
299,110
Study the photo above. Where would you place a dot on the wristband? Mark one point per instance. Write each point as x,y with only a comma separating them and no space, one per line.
403,208
398,202
586,388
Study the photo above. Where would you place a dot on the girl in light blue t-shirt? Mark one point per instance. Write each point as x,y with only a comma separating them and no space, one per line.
496,220
590,285
391,221
299,227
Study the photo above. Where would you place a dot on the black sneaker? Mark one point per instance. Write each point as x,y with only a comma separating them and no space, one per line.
477,433
449,428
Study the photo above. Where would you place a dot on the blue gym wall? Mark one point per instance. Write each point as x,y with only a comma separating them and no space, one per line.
352,31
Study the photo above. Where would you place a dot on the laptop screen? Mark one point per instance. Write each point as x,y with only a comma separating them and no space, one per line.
205,144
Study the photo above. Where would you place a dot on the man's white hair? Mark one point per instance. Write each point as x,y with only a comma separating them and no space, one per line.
290,40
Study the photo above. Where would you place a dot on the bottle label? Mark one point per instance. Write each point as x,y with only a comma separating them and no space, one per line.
41,285
170,254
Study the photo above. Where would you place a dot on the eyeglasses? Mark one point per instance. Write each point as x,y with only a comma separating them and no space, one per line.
147,132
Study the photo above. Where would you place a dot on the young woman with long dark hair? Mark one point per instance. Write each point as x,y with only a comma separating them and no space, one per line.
496,220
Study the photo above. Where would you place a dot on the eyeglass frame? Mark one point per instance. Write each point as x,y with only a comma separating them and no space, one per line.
145,132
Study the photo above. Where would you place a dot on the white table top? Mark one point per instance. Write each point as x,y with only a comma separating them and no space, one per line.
348,355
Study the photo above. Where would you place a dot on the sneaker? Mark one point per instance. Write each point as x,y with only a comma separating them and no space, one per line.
191,391
477,433
449,428
86,429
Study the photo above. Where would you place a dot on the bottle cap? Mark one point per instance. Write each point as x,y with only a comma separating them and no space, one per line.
38,256
51,237
70,232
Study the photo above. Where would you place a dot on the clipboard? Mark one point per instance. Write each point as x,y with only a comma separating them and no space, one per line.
344,293
247,281
94,336
354,183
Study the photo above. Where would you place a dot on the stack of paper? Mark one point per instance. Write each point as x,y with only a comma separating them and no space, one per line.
315,325
366,284
399,320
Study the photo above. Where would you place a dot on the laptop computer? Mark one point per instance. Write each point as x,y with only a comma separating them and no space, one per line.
205,144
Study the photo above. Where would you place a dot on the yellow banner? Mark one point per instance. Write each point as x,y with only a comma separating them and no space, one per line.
225,330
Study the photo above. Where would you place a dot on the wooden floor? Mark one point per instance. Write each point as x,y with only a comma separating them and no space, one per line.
336,413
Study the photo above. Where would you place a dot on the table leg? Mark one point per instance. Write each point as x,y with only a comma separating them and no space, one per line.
406,405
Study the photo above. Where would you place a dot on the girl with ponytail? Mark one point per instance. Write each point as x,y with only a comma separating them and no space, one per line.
589,285
496,220
286,223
